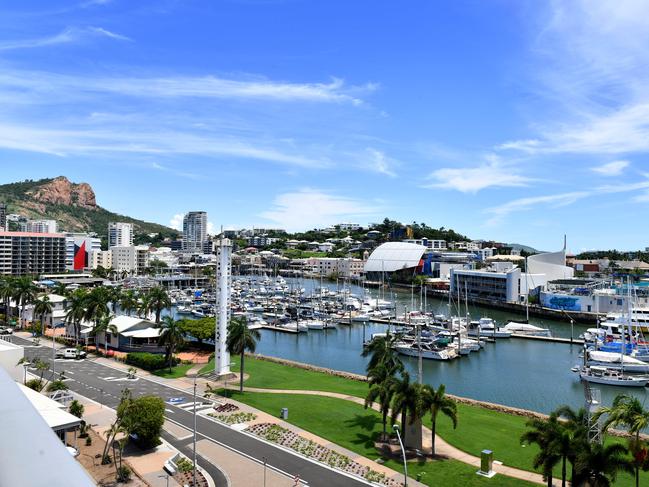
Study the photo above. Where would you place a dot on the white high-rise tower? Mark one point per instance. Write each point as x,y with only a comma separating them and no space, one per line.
223,281
120,234
194,231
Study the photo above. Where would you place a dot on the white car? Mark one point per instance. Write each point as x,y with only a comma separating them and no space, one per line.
70,353
72,451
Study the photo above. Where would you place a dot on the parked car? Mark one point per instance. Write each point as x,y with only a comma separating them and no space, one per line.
70,353
5,330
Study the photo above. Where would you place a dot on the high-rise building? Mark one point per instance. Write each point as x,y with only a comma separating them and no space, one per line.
41,226
23,253
120,234
3,216
133,259
78,250
194,231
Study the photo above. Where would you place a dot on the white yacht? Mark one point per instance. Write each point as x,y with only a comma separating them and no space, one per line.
617,361
611,377
486,327
427,351
527,329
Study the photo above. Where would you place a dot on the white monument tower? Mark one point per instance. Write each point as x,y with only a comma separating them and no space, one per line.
222,361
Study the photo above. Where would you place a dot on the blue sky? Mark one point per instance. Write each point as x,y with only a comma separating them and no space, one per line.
516,121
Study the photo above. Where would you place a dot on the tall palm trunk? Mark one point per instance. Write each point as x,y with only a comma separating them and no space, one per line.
433,429
241,372
563,471
403,426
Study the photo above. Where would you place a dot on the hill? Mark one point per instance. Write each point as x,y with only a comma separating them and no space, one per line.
72,205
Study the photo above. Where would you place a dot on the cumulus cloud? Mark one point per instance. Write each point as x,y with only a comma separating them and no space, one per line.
176,221
474,179
308,208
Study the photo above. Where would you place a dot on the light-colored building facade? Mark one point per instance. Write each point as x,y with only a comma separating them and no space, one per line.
101,258
132,259
41,226
24,253
194,231
495,286
342,267
79,248
429,244
120,234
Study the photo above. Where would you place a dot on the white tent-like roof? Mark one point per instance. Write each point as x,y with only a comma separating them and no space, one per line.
394,256
52,412
146,333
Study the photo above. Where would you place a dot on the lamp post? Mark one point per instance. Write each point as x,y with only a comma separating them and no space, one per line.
395,427
25,365
195,376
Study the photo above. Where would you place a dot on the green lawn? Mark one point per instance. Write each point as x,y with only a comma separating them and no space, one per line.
478,428
355,428
176,371
269,375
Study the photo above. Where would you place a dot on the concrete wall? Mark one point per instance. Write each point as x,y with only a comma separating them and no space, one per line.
10,354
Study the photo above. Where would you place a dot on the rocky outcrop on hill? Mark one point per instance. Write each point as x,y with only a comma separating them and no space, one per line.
61,191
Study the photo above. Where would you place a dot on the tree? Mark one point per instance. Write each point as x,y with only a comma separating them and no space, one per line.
407,402
96,304
6,293
104,326
157,300
42,308
171,338
437,401
101,272
241,339
627,411
116,428
382,383
381,352
597,465
144,417
24,293
201,329
573,432
543,432
76,409
57,385
128,302
76,311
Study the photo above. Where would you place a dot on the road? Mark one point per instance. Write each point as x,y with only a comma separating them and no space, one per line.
96,381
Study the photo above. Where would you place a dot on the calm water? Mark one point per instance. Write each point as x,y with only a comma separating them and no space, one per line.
520,373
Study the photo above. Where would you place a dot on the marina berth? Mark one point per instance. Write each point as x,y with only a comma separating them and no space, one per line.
520,328
611,377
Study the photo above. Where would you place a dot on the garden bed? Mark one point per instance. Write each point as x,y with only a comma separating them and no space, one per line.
288,439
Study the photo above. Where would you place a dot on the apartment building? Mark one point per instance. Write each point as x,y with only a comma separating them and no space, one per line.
40,226
26,253
194,231
429,243
120,234
78,250
133,259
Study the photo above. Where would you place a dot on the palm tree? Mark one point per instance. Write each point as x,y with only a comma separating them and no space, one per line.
408,401
626,411
6,293
104,326
128,302
42,308
437,401
171,337
76,311
241,339
597,465
96,304
157,300
25,292
381,352
543,432
382,382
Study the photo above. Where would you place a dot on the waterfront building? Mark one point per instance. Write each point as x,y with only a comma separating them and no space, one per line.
41,226
120,234
24,253
501,286
194,231
551,264
429,244
394,259
133,335
78,250
331,266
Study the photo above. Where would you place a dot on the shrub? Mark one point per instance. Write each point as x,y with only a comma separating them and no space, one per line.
88,440
123,474
76,409
144,417
184,465
148,361
35,384
57,385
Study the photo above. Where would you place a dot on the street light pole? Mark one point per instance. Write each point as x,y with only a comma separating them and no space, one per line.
395,427
194,476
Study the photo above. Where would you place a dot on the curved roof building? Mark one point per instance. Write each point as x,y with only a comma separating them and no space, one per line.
394,256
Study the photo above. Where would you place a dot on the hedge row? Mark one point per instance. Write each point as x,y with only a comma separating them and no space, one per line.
148,361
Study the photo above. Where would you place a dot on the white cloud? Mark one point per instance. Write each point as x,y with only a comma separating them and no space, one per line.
308,208
176,221
498,213
474,179
67,36
613,168
378,161
591,76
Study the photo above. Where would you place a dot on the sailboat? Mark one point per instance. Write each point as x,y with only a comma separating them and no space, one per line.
524,328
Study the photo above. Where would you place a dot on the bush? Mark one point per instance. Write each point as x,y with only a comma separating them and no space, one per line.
57,385
88,440
143,417
76,409
35,384
184,465
148,361
123,474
